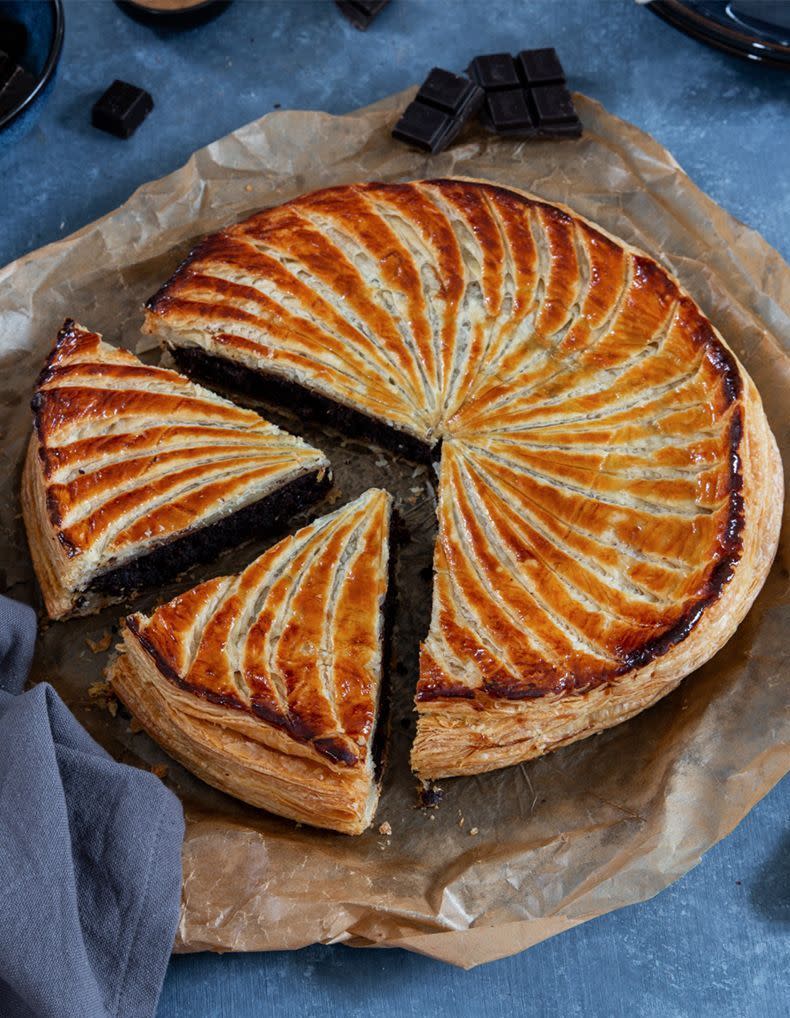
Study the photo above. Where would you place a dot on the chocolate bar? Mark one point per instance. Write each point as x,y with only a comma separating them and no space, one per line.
443,105
361,12
121,109
15,84
526,97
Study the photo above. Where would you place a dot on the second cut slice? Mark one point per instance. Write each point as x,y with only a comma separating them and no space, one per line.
266,684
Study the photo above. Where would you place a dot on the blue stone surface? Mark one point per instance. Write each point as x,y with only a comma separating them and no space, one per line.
718,941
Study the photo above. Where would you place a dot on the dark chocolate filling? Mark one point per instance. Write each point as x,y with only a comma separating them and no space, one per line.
263,385
204,544
381,734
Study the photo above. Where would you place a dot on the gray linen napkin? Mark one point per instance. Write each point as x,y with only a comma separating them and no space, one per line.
90,858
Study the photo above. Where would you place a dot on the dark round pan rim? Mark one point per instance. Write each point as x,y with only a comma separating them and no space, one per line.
728,39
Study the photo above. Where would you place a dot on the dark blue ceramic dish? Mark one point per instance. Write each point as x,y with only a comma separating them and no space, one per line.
757,30
43,22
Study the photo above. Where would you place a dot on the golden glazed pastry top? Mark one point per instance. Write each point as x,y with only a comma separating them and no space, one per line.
290,650
591,418
130,455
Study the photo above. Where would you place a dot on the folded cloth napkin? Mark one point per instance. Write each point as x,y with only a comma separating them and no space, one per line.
90,858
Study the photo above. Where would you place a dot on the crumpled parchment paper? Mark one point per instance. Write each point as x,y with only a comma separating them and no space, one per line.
508,858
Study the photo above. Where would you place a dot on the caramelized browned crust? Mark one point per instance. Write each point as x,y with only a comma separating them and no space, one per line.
605,458
266,684
497,726
126,458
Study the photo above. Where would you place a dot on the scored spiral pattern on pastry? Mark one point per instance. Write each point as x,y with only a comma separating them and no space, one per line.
591,419
606,463
294,640
127,456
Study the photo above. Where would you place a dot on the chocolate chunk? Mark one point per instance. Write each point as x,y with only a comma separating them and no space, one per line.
495,71
509,110
16,84
121,109
443,105
540,67
553,104
526,97
361,12
425,127
447,91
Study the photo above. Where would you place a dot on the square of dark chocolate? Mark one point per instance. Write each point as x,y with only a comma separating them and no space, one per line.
361,12
540,67
442,106
425,127
121,109
508,111
553,105
494,72
447,91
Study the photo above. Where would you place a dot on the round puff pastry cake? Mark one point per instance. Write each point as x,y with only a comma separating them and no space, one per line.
266,684
133,473
610,491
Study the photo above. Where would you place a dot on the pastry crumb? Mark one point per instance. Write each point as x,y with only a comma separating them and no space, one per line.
135,726
102,695
160,770
102,644
248,187
385,828
473,831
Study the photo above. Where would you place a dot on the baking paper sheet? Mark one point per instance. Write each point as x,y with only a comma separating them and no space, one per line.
508,858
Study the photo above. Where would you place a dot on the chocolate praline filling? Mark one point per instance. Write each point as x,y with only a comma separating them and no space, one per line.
214,371
381,736
203,545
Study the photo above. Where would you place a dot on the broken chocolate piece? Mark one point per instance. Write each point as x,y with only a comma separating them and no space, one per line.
526,96
15,84
495,71
361,12
121,109
449,92
443,105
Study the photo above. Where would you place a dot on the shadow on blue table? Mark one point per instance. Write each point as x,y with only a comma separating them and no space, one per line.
770,892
